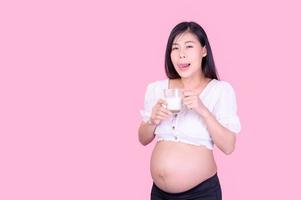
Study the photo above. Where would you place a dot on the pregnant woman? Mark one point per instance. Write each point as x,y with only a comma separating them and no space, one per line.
182,162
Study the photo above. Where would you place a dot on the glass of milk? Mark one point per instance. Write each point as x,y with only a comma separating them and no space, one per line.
173,97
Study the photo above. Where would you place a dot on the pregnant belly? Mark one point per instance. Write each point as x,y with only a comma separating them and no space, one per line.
177,167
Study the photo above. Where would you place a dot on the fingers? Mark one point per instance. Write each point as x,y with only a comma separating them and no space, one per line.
190,99
160,112
160,116
187,93
161,107
164,110
188,103
163,113
161,102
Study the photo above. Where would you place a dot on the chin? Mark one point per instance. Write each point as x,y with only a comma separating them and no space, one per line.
185,75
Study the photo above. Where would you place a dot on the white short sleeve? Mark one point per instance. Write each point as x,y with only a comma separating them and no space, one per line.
225,109
148,103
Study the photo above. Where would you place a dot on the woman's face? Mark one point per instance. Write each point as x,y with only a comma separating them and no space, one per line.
186,55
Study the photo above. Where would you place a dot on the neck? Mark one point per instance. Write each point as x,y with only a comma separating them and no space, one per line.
193,83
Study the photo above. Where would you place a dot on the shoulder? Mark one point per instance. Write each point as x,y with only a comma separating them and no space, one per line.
157,85
225,89
155,89
224,86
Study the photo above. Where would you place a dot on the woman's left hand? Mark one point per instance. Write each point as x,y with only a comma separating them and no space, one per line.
192,101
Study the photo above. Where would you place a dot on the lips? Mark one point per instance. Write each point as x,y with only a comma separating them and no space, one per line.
183,66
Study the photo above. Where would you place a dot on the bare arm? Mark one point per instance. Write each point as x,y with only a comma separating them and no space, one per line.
146,130
146,133
223,138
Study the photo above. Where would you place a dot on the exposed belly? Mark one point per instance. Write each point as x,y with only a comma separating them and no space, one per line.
177,167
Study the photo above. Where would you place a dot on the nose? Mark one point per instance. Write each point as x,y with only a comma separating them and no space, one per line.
182,54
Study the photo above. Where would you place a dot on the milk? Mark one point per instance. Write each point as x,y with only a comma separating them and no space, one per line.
173,98
174,104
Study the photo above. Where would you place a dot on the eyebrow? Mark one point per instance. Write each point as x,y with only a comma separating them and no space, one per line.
184,43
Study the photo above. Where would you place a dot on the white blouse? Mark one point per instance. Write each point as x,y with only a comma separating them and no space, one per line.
187,126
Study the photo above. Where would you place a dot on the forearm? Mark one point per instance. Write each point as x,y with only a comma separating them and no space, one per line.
146,133
222,137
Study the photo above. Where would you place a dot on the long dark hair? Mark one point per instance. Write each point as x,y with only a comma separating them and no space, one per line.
208,66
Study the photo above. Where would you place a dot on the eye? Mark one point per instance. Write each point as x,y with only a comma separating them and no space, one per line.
189,46
174,48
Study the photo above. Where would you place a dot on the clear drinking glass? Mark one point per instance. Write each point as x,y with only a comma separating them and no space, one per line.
173,97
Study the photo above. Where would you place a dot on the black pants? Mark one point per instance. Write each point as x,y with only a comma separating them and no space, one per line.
209,189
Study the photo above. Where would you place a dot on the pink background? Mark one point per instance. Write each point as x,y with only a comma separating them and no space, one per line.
73,76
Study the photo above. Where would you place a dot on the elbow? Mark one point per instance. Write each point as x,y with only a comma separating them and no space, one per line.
230,147
145,134
229,151
143,142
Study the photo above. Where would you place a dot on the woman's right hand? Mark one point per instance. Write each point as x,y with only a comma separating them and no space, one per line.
159,112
